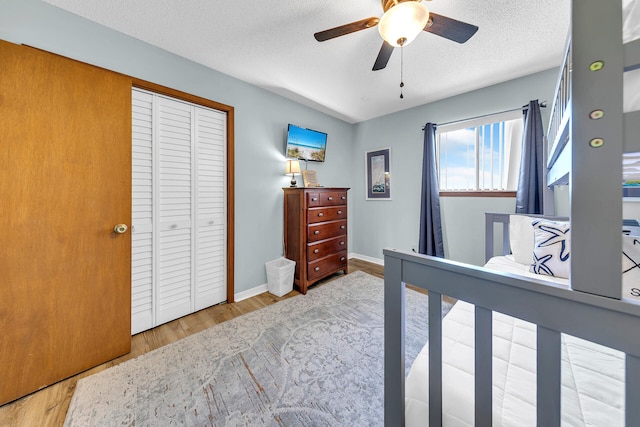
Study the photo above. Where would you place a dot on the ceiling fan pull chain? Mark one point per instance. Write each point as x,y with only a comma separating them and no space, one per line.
401,71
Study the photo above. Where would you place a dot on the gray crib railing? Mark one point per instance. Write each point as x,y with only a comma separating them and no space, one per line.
554,308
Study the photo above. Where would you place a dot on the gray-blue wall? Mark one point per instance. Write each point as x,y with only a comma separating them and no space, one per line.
261,118
395,223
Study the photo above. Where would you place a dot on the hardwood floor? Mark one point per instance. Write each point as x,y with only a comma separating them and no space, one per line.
48,407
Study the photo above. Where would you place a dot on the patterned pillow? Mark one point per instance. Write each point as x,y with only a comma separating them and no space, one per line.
552,246
631,266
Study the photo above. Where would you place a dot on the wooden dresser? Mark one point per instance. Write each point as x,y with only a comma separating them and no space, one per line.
315,232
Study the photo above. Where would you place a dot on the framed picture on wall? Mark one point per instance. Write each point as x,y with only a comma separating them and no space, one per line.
378,174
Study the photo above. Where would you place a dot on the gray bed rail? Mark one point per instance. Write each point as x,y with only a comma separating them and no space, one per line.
554,308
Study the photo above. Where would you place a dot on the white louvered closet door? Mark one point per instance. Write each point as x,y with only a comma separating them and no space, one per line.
175,123
211,137
187,241
142,314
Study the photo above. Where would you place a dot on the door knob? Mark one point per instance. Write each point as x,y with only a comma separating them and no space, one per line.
120,228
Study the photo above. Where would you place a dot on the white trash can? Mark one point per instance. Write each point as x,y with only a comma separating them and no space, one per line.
280,276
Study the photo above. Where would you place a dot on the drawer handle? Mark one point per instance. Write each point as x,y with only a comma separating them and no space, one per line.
342,227
316,269
339,212
316,232
315,251
320,214
329,198
341,243
342,259
314,199
344,197
174,226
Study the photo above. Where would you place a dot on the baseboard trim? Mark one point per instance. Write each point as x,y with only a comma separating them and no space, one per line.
263,288
367,258
251,292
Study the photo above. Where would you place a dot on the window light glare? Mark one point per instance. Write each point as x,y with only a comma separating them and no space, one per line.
401,24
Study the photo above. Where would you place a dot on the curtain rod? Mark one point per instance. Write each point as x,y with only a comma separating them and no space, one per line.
543,104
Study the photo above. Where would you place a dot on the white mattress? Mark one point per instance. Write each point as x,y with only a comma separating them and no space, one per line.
592,375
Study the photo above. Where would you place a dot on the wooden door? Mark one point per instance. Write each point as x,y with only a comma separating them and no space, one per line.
65,182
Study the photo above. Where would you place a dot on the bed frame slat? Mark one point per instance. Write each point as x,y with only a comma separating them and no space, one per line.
483,366
632,390
549,377
435,359
491,218
394,320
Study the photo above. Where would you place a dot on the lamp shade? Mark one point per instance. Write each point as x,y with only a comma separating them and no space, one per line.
403,22
293,166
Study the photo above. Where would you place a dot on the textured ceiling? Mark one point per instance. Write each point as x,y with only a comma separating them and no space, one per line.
270,44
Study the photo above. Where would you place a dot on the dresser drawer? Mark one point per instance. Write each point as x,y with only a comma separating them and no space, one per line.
326,230
326,198
327,247
326,265
326,214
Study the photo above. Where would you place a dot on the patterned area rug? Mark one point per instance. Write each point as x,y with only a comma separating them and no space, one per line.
311,360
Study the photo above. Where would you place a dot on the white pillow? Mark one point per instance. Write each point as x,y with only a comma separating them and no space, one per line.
631,266
521,238
551,249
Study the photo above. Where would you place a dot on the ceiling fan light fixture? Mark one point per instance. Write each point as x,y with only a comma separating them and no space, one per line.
403,22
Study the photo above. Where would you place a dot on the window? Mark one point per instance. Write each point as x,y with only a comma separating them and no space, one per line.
481,154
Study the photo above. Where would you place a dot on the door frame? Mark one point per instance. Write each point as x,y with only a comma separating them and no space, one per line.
230,165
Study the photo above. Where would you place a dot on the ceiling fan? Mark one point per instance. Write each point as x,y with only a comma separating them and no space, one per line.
401,23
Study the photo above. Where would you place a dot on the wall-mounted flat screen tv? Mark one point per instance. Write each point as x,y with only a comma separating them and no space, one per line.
306,144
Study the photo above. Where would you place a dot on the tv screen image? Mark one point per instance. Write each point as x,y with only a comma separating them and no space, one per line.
306,144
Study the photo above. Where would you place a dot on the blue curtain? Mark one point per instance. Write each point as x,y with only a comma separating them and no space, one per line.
430,223
530,193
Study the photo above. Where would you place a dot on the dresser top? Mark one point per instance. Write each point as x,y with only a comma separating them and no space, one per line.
316,188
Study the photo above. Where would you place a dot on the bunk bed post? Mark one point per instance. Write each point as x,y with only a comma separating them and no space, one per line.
394,320
596,147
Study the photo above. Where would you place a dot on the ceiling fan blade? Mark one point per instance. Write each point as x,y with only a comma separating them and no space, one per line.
346,29
383,56
450,28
